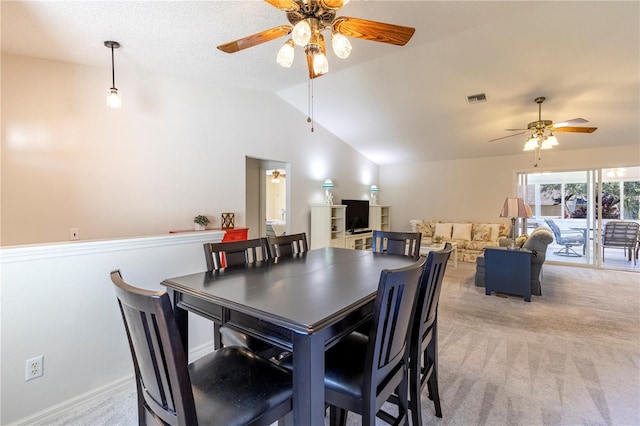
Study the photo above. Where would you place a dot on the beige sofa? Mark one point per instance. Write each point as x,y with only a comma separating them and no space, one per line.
472,238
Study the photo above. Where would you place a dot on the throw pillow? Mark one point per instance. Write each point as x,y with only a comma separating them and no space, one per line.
426,228
481,233
462,231
443,230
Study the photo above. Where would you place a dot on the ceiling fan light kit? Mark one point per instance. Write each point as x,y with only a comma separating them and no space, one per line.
541,131
308,19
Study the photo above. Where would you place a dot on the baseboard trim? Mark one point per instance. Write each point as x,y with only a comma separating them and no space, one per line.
45,417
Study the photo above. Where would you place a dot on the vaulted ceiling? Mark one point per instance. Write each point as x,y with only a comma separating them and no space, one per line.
393,104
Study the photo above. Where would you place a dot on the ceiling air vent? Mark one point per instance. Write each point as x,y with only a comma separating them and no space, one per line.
476,99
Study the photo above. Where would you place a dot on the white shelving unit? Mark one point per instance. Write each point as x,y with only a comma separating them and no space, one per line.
379,218
328,226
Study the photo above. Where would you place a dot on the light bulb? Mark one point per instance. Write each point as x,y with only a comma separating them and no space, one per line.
552,140
320,64
113,98
301,33
285,54
341,45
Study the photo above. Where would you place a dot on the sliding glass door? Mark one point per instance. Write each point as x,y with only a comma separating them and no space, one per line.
576,204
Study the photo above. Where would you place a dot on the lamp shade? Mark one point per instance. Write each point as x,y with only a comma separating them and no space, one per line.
328,184
515,207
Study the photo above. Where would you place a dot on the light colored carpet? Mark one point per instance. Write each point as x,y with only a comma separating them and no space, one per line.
570,357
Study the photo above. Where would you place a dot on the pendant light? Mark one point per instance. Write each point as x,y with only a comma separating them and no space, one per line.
113,96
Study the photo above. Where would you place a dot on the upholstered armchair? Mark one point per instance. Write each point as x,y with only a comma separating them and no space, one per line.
537,243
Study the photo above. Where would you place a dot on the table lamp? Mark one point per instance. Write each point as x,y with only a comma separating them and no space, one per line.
515,207
374,195
328,198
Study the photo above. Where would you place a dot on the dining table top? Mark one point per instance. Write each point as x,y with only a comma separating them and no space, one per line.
301,292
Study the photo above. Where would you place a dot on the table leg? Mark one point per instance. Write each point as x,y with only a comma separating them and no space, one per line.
308,379
182,320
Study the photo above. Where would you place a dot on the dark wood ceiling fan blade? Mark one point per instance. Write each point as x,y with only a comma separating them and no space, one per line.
510,136
575,129
374,31
286,5
255,39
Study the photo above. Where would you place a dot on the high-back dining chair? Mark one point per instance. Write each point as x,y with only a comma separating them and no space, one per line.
235,253
362,371
423,352
288,245
406,243
230,386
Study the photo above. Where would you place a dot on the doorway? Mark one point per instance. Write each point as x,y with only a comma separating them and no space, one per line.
267,200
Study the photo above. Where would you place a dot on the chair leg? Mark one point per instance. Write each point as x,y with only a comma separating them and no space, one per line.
432,383
337,416
415,405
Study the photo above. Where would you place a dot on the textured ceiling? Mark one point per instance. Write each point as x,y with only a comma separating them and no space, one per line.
393,104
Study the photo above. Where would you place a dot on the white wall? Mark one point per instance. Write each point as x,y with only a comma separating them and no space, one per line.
58,301
475,189
176,149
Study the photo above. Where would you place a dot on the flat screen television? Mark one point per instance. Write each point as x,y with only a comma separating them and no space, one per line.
357,215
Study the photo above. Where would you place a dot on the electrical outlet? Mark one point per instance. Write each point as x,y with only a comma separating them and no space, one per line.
74,234
34,368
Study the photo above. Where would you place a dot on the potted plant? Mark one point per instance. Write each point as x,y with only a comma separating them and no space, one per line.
201,222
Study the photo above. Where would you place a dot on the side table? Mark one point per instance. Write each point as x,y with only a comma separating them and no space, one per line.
508,271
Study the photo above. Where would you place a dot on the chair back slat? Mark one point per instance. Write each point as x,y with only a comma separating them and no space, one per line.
405,243
159,359
235,253
393,312
430,287
288,245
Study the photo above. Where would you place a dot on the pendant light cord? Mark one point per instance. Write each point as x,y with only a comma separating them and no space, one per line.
113,70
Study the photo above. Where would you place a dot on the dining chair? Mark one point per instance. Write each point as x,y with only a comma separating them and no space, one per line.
229,386
288,245
362,371
406,243
234,253
423,351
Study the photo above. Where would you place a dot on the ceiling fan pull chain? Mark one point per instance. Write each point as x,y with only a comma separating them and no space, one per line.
310,104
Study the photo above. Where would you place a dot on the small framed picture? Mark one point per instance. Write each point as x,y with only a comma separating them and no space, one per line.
227,220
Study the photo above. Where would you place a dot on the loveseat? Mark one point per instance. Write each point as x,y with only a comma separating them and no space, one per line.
472,238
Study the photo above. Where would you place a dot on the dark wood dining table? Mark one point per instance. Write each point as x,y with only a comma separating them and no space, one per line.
303,304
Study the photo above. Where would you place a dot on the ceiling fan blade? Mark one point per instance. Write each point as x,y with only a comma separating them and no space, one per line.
255,39
515,130
372,30
570,122
575,129
332,4
286,5
312,73
510,136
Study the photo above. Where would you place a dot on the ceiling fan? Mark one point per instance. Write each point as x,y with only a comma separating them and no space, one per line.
538,128
309,18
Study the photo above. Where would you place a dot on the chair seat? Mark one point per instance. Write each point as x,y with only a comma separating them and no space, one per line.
344,365
247,378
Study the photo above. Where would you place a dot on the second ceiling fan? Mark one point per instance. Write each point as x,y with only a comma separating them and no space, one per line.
308,19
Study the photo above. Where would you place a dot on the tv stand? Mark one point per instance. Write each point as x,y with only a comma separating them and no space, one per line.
359,231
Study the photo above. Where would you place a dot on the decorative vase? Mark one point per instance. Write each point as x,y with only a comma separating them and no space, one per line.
199,227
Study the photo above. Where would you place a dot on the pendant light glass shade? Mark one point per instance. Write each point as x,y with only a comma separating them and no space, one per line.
113,98
301,33
285,54
341,45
